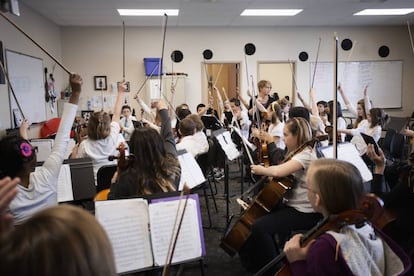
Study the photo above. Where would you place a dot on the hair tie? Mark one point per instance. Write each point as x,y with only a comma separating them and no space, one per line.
26,149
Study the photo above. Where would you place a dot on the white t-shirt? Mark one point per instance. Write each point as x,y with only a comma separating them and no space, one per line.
277,130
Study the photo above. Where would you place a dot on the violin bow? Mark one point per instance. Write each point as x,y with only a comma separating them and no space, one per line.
37,44
335,99
174,234
411,37
316,62
162,50
123,51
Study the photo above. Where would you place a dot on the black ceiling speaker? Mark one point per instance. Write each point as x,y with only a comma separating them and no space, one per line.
249,49
207,54
303,56
346,44
177,56
383,51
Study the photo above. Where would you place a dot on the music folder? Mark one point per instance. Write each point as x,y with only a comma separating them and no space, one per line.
140,231
348,152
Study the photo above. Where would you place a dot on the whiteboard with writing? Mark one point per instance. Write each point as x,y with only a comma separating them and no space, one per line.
384,80
26,78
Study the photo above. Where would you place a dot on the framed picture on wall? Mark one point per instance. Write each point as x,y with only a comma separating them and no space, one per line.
100,83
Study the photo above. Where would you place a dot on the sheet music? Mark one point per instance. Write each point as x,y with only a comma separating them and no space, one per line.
65,191
64,185
126,223
191,173
348,152
162,217
227,145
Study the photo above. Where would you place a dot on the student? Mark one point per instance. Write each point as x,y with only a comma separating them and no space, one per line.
37,190
275,128
240,118
400,199
363,106
354,250
104,136
154,167
61,240
376,120
341,123
263,99
294,214
126,122
8,190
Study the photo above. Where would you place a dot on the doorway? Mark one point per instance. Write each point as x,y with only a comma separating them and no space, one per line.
225,76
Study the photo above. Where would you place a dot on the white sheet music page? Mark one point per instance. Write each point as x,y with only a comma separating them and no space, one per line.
191,173
348,152
65,191
126,223
162,217
227,145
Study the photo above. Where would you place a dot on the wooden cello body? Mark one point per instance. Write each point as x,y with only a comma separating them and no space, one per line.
265,201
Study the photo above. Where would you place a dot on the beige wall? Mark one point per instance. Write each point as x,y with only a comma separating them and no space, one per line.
95,51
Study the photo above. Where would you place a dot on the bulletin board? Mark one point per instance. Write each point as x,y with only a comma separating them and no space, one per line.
27,80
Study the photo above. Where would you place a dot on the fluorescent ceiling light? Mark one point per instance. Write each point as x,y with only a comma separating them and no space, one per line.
148,12
385,12
270,12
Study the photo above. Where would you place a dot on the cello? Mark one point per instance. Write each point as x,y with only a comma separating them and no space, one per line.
262,204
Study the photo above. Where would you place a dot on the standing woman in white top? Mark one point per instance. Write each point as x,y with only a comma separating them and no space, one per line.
363,106
376,120
104,136
275,129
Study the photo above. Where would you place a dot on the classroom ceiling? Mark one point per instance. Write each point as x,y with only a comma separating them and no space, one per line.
219,13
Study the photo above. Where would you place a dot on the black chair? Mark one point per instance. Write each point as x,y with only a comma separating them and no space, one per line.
104,176
386,142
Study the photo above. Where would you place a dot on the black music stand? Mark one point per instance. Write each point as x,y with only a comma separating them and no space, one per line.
231,153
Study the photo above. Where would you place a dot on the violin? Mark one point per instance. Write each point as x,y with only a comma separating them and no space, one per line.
264,202
123,163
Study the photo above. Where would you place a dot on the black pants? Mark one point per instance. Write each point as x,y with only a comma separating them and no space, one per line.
261,247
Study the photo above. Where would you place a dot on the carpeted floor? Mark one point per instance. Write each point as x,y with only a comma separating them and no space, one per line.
217,261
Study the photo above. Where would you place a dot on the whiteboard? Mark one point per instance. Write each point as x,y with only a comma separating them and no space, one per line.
26,78
384,80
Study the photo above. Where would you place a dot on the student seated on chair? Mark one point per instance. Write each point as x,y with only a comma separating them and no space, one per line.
154,167
294,214
37,189
400,199
356,249
192,138
127,126
104,136
62,240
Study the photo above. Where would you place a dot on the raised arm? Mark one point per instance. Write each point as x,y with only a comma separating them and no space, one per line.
23,129
305,104
367,102
351,108
118,104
